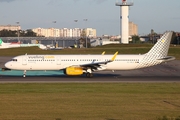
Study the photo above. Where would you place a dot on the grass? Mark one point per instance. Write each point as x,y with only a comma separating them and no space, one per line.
95,101
110,49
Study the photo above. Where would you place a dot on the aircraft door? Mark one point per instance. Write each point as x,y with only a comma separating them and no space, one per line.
24,60
101,59
58,60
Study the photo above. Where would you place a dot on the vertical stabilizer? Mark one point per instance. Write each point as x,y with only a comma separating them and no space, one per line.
157,52
160,49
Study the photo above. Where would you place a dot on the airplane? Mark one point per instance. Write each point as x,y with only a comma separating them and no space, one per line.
87,64
18,44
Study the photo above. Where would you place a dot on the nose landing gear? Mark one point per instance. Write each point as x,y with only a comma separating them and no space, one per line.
24,75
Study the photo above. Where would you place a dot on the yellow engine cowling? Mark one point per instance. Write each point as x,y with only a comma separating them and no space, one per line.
74,71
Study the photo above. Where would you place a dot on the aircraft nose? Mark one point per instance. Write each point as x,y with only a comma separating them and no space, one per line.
8,65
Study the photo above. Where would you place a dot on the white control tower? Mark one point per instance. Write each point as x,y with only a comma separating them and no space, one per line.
124,22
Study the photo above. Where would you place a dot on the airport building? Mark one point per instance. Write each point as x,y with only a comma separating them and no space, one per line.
10,27
64,32
133,29
53,32
90,32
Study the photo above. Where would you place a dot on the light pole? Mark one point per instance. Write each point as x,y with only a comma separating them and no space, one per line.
86,31
55,34
18,30
76,33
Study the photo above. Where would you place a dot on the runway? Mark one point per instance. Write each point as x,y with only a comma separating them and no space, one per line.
166,72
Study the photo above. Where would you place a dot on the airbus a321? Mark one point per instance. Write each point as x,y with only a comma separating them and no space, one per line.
87,64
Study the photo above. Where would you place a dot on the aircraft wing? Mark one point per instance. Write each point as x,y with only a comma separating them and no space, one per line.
97,65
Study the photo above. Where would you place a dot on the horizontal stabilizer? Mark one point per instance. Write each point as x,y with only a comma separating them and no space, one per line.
168,58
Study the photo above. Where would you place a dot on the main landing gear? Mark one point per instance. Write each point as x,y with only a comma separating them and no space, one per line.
89,73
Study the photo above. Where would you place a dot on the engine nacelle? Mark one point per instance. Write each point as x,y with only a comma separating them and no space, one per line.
73,71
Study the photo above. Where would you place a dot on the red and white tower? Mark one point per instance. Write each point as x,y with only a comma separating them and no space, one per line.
124,22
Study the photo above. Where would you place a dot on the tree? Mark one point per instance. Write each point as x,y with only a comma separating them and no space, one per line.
30,33
83,38
152,36
136,39
10,33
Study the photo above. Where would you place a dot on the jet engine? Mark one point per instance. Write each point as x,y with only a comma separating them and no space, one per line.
73,71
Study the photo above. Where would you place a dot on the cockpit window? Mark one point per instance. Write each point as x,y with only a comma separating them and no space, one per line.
13,59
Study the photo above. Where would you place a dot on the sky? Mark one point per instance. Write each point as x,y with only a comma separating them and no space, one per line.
102,15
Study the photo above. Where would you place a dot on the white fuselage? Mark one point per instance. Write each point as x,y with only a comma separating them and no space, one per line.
9,45
58,62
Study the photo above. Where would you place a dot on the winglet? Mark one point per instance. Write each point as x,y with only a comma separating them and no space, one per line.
103,53
114,57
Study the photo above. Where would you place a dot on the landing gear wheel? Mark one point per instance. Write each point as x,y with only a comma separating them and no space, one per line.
89,75
24,75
